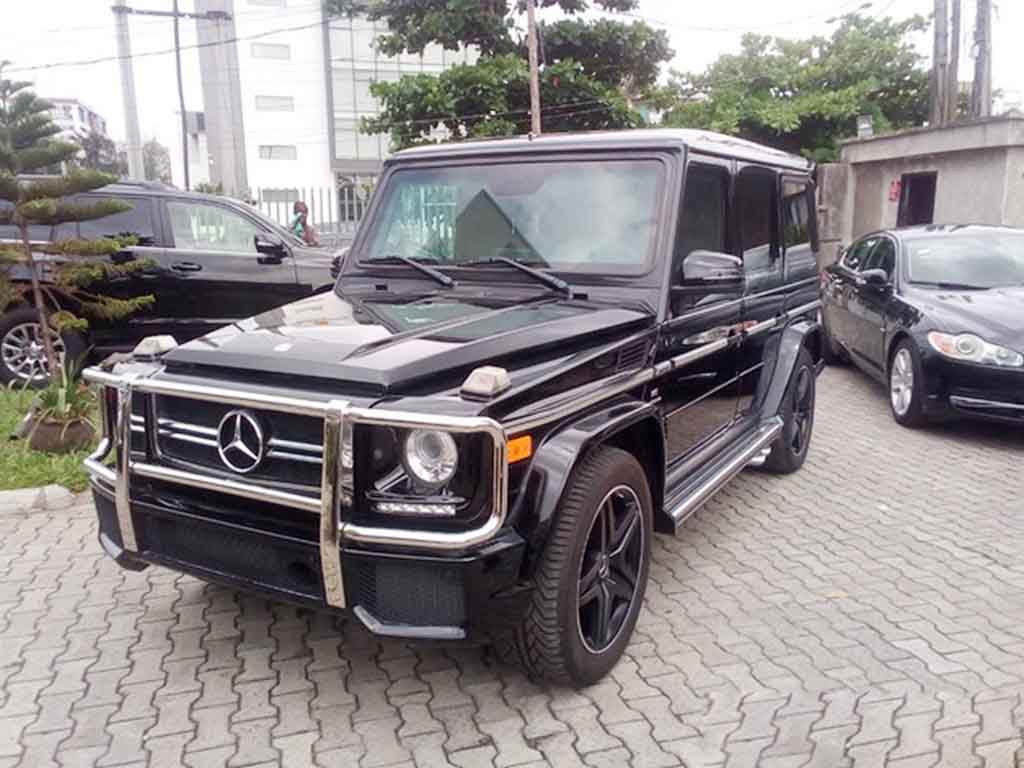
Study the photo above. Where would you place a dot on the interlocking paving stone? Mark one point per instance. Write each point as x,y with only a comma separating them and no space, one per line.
864,611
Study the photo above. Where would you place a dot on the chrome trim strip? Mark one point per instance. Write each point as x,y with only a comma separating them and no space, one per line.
224,485
186,438
170,425
292,445
978,403
287,456
237,397
123,454
330,507
766,435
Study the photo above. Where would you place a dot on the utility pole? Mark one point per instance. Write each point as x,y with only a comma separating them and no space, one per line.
981,93
940,64
953,87
181,95
122,11
531,42
136,168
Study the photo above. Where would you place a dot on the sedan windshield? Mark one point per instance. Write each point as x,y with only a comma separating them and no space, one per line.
580,216
975,260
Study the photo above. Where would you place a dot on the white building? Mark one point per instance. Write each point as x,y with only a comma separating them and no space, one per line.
198,154
76,120
283,105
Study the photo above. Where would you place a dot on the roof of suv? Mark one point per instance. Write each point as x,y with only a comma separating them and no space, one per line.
654,138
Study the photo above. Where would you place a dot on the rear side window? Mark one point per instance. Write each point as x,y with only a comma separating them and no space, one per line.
137,222
797,210
756,199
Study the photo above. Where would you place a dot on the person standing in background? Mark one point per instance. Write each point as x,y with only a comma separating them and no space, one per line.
300,224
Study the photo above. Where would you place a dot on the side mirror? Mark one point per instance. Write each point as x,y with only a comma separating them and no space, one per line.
713,273
271,248
338,260
874,278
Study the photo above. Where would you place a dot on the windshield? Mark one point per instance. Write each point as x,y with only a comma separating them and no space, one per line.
580,216
983,260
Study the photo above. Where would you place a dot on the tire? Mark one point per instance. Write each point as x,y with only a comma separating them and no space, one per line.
21,358
560,638
906,379
789,451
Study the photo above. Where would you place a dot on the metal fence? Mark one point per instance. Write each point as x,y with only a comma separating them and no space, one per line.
335,212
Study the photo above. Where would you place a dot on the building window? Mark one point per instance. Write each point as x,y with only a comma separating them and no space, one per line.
275,103
277,152
271,51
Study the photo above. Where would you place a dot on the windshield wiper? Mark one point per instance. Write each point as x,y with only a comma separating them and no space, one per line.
434,274
555,283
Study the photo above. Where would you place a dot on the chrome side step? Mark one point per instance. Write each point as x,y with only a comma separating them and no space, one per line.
761,441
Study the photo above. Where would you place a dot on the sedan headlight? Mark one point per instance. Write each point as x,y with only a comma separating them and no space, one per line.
974,349
431,457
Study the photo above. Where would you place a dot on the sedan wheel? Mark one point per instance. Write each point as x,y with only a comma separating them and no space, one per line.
901,382
23,352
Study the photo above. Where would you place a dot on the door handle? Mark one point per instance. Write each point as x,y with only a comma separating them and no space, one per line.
186,266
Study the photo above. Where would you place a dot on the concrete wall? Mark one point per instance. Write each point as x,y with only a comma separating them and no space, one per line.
970,188
1014,205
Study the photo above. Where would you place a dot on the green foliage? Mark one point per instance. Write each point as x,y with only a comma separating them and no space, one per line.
805,95
591,67
27,144
207,188
66,398
100,153
156,162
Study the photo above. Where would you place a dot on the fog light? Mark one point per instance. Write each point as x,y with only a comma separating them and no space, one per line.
414,508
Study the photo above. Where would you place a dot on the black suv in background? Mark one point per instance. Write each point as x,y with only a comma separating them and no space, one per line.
214,261
538,353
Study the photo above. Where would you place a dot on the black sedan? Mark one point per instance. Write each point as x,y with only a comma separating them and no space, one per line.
937,314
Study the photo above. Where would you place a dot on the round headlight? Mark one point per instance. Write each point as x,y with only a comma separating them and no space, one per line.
431,457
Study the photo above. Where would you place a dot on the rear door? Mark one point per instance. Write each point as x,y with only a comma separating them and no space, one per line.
214,254
141,222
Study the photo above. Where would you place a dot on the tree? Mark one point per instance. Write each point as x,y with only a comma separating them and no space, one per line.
156,161
27,144
805,95
592,68
100,154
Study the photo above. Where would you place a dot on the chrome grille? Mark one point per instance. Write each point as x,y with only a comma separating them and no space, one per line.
187,432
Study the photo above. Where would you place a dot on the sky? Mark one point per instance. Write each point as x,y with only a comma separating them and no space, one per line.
56,31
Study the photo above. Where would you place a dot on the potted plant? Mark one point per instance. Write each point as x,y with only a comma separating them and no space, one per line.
59,420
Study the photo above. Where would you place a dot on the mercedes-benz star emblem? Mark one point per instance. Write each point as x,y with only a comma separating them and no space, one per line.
240,441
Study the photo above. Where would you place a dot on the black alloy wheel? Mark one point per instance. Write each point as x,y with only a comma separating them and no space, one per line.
789,451
609,568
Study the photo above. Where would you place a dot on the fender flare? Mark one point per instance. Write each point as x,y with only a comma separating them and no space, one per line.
797,336
558,454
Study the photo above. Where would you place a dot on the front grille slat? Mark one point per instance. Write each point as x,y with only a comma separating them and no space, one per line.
187,432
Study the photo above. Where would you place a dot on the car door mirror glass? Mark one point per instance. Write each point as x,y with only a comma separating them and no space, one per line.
713,272
874,278
268,245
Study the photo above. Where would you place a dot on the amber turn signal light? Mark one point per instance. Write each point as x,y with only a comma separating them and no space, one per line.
520,448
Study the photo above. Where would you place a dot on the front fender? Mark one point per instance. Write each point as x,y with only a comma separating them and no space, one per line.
798,335
554,460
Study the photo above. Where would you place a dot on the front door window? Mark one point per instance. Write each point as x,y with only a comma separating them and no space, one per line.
203,227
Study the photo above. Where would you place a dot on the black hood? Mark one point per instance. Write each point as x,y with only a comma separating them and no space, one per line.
996,314
388,343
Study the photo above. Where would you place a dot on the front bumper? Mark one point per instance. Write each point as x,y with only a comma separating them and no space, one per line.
405,582
975,391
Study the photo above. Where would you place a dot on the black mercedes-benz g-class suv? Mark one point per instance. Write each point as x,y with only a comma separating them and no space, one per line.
538,352
212,260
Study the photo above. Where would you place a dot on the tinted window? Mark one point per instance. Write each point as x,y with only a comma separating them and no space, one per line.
202,227
702,222
858,252
755,206
882,257
797,209
138,222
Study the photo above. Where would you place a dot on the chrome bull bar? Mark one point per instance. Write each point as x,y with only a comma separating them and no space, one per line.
334,505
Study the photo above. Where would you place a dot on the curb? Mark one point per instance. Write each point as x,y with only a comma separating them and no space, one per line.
46,498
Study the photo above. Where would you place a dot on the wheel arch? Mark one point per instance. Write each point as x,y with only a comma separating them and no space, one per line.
892,343
795,337
628,424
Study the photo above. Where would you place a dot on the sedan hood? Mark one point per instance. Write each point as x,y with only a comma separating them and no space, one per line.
996,315
386,344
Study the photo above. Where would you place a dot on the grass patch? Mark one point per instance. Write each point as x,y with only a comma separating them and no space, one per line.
21,467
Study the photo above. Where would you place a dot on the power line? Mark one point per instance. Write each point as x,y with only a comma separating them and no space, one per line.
164,51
